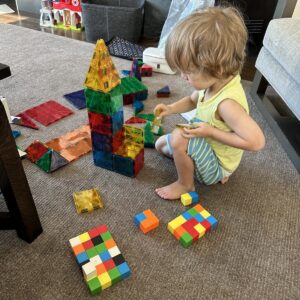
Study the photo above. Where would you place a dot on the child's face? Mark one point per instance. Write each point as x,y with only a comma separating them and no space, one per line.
199,80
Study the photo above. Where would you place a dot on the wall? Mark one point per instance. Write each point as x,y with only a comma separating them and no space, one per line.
297,10
31,6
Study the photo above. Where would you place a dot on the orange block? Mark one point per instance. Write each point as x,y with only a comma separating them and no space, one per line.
178,232
150,222
151,216
198,207
78,249
110,243
100,269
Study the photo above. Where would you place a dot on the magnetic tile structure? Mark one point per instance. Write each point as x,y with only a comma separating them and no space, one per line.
99,258
76,98
133,90
116,146
146,221
192,225
189,198
135,70
87,201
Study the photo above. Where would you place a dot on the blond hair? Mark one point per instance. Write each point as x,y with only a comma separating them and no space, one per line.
211,41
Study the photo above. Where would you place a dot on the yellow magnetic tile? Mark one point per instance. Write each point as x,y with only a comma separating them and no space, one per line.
84,237
105,280
87,201
200,229
205,214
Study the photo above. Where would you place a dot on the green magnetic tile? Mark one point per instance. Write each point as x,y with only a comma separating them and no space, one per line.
101,248
44,162
186,240
149,117
94,285
193,211
115,275
91,252
106,236
132,85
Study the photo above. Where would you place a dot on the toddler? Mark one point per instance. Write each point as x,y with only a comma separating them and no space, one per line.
208,48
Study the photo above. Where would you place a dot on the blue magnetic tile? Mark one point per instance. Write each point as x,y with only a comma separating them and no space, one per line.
105,256
16,133
123,165
81,258
213,221
139,218
199,218
138,106
125,72
103,159
164,90
124,270
187,215
77,99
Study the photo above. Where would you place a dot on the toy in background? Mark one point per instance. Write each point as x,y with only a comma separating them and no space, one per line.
192,225
116,146
64,14
163,92
99,258
189,198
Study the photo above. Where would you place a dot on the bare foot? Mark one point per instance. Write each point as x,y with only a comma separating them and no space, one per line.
173,191
224,180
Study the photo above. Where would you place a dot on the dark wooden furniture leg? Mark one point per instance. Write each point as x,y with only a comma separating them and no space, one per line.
22,215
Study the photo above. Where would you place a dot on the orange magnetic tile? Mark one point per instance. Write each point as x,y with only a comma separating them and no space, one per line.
100,269
198,207
110,243
78,249
178,232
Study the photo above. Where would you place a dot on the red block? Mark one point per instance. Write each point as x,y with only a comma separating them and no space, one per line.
102,228
206,224
109,264
189,227
88,245
93,233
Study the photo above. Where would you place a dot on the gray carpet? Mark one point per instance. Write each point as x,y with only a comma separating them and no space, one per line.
254,253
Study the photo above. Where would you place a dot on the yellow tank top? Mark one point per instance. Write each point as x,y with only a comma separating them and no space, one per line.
228,156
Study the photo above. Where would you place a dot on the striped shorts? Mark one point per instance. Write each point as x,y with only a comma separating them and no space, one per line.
207,167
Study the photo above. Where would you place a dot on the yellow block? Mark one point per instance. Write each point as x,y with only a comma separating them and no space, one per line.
104,280
84,237
176,223
186,199
205,214
200,229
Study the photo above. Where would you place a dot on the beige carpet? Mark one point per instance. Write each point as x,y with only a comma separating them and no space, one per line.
254,253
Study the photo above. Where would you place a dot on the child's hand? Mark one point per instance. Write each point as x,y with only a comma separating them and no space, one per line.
162,110
202,130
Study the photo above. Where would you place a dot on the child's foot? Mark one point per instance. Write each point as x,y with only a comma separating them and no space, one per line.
173,191
224,180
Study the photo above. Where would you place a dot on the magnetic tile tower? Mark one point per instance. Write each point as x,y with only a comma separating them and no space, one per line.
116,146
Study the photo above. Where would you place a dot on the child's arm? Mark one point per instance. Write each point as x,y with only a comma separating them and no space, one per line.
183,105
245,134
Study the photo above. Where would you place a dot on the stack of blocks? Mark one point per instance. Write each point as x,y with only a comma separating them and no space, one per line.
115,147
192,225
146,221
189,198
99,258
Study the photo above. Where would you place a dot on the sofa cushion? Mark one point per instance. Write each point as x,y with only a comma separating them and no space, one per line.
282,40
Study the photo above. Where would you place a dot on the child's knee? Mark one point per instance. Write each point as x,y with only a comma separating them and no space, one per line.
160,143
178,142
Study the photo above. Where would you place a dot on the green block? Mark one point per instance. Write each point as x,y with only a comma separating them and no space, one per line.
193,212
148,117
106,236
94,286
91,252
115,275
186,240
104,103
44,162
160,131
101,248
131,85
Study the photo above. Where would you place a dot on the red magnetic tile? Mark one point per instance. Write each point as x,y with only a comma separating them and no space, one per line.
135,120
26,121
48,112
109,264
93,233
35,151
88,245
102,228
206,224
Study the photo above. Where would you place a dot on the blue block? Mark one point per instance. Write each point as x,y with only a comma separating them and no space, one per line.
124,270
82,258
103,159
195,197
139,218
187,215
138,106
199,218
125,72
123,165
104,255
213,221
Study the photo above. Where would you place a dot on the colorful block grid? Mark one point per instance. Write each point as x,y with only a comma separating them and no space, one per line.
99,258
192,225
189,198
146,221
